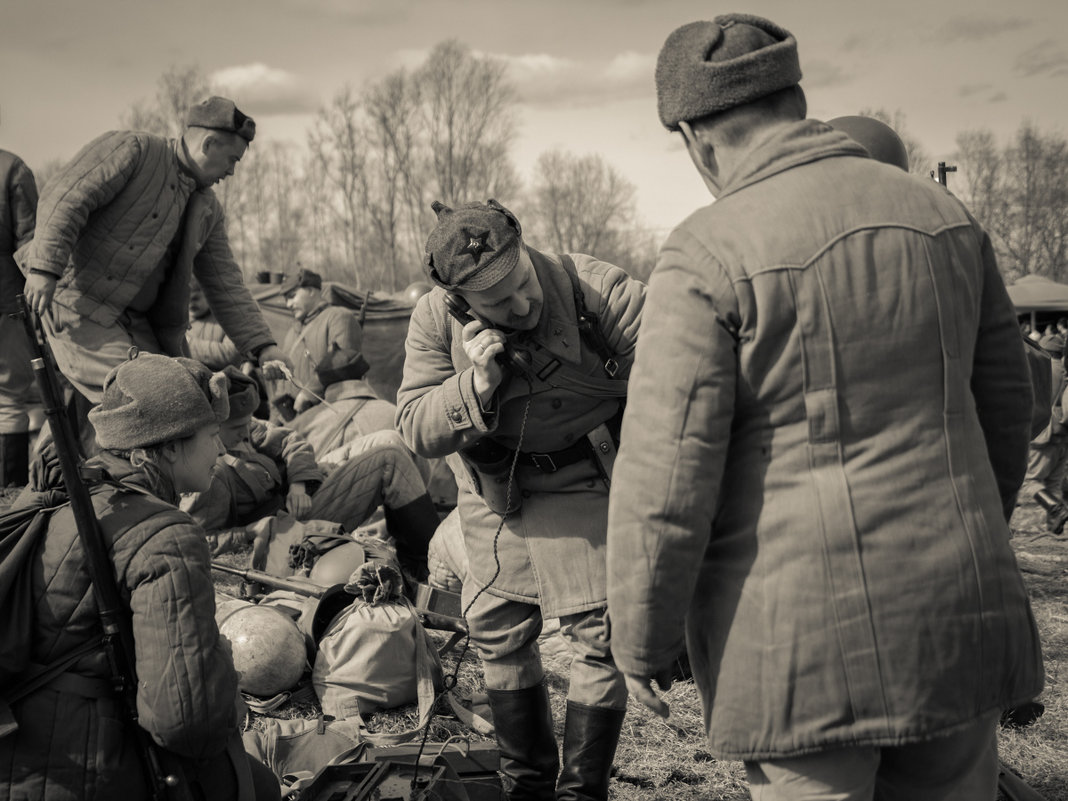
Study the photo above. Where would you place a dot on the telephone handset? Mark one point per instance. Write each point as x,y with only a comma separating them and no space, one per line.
516,360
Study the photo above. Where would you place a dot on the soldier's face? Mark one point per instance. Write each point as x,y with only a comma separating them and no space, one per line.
303,301
193,459
515,301
218,156
234,432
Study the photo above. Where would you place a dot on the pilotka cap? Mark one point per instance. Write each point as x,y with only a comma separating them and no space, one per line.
472,247
221,114
708,67
152,399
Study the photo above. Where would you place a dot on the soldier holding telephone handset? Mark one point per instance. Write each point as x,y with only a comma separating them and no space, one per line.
516,367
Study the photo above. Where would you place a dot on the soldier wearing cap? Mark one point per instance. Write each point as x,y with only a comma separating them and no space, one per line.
318,330
826,429
511,390
121,232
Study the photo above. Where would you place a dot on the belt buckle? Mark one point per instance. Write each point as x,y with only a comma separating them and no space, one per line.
544,462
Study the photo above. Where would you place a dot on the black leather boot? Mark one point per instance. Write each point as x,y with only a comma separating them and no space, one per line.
14,459
591,734
412,527
523,723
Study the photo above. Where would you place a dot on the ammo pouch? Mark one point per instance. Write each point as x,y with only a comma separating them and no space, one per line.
489,465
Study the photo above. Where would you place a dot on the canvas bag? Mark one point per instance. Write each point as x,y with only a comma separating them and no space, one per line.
275,536
374,654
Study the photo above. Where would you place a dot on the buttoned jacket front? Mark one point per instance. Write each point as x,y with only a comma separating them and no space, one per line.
107,222
551,551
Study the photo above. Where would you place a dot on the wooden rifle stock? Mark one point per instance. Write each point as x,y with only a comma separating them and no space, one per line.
302,586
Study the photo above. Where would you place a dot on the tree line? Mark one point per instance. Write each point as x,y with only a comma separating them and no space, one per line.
353,200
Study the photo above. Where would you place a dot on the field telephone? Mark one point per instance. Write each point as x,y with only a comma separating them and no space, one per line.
519,362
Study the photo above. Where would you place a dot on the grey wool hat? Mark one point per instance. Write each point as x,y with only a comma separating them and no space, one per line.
472,247
221,114
152,399
708,67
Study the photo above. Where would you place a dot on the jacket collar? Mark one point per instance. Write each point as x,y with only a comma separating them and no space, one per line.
185,164
800,143
352,389
313,313
557,330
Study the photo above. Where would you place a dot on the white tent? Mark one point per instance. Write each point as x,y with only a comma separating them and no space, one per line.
1036,293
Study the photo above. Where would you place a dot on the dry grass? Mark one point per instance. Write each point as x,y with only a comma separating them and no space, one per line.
660,762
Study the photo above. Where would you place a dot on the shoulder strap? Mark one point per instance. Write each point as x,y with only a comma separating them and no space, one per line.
589,323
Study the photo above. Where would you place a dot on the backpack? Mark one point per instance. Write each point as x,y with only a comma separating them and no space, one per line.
374,653
22,530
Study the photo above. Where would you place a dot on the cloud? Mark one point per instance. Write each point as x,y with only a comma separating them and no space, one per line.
998,97
976,28
268,90
1048,57
970,89
546,80
363,12
817,73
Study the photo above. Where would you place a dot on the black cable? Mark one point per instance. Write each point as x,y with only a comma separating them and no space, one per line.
449,682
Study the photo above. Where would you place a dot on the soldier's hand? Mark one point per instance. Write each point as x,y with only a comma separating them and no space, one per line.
298,502
274,363
40,287
483,345
641,687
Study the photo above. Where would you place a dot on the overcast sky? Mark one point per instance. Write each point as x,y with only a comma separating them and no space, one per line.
583,68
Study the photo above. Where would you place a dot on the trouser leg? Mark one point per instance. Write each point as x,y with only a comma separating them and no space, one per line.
961,767
596,705
382,473
505,633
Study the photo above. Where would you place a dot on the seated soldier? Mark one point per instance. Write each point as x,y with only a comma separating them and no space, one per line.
352,407
158,427
319,328
268,467
352,411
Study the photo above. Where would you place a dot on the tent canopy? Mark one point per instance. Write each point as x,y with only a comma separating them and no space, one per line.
385,327
1036,293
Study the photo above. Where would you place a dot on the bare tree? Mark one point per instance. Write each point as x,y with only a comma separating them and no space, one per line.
467,113
391,178
337,143
1019,193
176,90
581,204
919,159
579,201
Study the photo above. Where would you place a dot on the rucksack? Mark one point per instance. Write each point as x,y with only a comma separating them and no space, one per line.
21,532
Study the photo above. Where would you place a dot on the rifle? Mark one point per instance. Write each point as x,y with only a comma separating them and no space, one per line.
310,589
118,638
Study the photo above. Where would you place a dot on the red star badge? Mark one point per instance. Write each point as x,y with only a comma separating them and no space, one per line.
476,244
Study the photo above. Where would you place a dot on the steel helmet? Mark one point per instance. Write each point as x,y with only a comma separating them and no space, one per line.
416,290
876,137
268,649
336,565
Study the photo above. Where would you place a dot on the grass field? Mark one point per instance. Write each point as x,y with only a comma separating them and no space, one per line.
666,760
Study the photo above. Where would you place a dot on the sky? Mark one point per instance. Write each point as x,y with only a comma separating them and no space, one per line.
583,69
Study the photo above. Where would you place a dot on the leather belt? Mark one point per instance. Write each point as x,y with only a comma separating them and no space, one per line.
551,462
